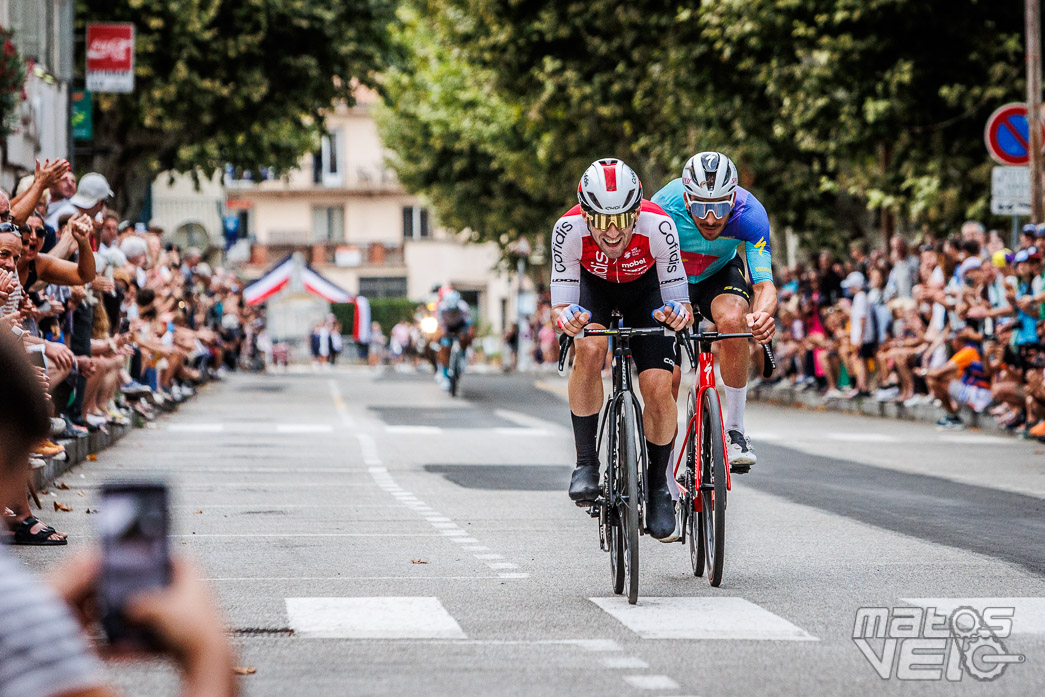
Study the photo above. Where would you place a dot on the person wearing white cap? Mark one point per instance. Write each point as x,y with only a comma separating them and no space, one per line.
89,198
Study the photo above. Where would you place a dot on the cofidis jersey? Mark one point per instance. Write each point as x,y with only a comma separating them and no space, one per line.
748,223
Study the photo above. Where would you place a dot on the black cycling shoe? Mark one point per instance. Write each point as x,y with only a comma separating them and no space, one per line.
584,485
660,513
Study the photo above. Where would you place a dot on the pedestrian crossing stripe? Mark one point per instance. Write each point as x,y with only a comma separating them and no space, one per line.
701,618
371,618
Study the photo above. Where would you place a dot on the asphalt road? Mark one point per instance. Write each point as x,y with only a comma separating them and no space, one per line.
367,535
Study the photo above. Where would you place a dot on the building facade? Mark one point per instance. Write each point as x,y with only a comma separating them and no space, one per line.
346,212
43,35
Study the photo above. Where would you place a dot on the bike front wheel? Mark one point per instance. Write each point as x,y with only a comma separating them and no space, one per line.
454,372
713,485
694,531
628,473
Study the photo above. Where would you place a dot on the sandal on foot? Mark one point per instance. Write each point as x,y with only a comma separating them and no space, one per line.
23,534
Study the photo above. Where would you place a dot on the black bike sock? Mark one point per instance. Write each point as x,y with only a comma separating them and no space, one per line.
658,465
585,432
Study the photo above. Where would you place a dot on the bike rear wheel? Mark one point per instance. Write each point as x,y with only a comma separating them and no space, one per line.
713,485
628,472
694,531
617,568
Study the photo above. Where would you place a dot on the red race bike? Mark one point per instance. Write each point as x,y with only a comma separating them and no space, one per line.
705,479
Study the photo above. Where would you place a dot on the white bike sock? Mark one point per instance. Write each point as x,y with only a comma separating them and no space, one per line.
736,398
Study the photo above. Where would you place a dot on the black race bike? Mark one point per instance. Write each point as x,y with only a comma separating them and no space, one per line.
620,505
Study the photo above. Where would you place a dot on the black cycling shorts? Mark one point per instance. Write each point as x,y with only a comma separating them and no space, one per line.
730,279
636,301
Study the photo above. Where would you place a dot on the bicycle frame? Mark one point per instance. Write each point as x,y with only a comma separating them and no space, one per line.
705,381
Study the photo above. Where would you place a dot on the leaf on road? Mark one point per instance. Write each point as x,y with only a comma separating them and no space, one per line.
89,511
244,670
418,561
63,485
92,458
197,512
79,493
58,506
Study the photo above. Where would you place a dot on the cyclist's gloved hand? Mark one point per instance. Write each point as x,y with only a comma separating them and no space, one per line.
572,319
674,315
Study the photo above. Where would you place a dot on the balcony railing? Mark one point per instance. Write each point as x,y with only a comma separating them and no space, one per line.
344,254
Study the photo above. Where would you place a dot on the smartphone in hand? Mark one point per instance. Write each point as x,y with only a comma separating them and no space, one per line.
134,523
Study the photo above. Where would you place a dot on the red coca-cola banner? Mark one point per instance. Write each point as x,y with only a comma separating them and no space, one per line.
110,57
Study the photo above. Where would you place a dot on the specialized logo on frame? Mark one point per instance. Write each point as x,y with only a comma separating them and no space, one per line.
913,643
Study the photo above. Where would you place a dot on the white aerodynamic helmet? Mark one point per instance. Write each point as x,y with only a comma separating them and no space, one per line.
709,175
609,187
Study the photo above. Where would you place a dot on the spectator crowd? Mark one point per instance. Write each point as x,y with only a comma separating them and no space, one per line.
113,321
958,321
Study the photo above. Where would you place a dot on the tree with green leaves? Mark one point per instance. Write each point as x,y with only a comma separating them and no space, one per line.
228,82
840,113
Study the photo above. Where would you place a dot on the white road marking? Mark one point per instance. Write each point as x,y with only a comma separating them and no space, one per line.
369,449
488,556
371,618
515,431
422,430
314,534
444,525
862,437
304,428
339,405
476,548
701,618
630,662
1028,615
651,682
498,565
196,428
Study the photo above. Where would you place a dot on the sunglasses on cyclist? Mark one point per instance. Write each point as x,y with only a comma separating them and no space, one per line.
10,227
602,221
700,209
37,231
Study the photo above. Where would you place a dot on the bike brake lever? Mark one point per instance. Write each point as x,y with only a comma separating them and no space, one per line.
770,363
565,340
683,337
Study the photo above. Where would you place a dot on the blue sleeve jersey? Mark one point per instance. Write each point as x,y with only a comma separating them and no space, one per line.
701,258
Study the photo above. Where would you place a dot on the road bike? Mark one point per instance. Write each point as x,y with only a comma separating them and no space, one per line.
705,479
620,505
455,365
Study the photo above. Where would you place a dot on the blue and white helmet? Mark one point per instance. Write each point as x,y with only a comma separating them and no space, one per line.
709,175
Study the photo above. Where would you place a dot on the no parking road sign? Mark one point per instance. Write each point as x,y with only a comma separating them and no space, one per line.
1008,136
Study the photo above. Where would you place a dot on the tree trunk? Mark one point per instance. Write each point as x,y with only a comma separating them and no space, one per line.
885,157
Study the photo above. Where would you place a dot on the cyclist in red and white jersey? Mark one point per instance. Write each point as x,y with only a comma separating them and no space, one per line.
616,250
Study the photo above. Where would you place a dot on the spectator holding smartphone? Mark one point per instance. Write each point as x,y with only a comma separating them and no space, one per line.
44,650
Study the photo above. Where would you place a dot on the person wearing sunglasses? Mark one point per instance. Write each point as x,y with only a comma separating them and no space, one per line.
713,215
616,250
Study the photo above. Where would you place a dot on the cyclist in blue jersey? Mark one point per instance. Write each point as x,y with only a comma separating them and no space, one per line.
714,216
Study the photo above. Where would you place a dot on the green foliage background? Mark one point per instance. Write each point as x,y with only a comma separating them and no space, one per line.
239,82
837,111
385,311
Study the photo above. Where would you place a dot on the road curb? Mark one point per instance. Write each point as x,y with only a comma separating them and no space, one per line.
810,399
77,450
